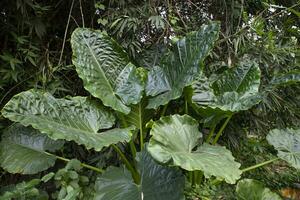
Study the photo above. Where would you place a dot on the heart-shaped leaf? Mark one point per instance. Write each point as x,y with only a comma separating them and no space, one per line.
173,141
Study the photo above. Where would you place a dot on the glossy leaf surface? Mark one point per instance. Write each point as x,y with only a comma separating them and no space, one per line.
173,141
180,66
105,69
76,118
22,150
235,90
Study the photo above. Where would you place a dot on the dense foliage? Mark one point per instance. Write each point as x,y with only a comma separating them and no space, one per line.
149,99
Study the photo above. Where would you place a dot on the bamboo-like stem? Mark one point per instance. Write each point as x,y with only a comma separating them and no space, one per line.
259,165
82,164
221,130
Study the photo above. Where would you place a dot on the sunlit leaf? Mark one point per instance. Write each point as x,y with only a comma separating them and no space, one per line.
174,140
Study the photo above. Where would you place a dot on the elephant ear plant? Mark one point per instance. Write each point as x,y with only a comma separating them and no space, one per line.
127,107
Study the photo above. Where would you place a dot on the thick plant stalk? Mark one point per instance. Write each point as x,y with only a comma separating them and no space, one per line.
135,175
131,143
164,110
141,139
141,130
259,165
221,130
82,164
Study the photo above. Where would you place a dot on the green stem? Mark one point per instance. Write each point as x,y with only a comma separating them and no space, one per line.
141,139
211,133
196,177
141,128
259,165
132,147
164,110
135,175
190,175
131,143
186,108
221,130
82,164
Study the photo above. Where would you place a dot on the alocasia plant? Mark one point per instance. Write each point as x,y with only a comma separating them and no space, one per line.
126,98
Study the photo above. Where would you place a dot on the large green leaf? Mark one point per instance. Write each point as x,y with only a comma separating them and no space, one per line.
251,189
180,66
234,90
22,150
75,118
287,143
157,182
173,141
105,69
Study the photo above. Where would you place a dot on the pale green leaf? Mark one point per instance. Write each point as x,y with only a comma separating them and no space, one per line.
75,118
22,150
251,189
287,143
173,141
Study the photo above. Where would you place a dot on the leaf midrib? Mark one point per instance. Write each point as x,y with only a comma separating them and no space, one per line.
98,64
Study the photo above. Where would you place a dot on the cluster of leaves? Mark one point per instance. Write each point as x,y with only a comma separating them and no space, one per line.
30,57
171,147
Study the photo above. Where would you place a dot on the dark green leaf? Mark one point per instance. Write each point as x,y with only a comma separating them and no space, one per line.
130,86
289,78
235,90
99,62
22,150
180,66
157,182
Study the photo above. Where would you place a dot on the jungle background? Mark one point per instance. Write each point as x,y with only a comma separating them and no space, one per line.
35,52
